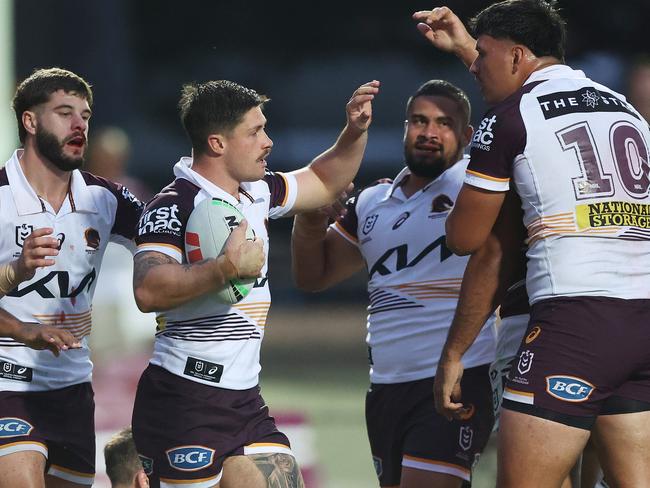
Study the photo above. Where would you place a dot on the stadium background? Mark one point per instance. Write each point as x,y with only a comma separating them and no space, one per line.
308,57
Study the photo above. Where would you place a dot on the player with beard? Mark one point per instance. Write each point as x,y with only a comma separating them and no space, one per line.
56,221
397,230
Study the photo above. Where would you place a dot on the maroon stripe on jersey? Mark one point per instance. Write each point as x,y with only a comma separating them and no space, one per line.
3,177
164,218
278,187
500,137
128,210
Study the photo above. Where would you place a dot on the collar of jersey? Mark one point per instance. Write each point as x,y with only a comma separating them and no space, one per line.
183,169
554,71
27,201
401,176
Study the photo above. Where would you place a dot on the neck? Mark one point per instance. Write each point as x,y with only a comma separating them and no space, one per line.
414,184
214,170
49,182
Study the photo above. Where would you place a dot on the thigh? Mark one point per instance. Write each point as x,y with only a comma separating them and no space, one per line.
622,442
534,452
272,470
23,468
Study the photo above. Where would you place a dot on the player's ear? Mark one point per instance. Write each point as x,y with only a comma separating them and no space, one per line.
518,57
29,121
466,136
141,480
216,144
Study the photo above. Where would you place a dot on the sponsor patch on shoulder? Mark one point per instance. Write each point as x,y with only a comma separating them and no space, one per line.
190,458
569,388
13,427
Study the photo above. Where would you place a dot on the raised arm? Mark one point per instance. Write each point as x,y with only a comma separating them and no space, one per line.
161,283
442,28
329,174
496,265
320,257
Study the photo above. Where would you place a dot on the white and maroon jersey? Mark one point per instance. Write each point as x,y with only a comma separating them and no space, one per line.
577,153
95,212
414,279
213,343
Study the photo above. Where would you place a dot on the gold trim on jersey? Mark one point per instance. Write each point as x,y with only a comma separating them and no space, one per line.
78,324
258,311
447,288
341,229
561,224
487,177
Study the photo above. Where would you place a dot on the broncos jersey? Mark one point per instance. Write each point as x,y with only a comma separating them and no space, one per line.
577,153
414,279
212,343
95,212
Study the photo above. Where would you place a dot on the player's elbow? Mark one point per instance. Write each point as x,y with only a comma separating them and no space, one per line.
145,299
460,242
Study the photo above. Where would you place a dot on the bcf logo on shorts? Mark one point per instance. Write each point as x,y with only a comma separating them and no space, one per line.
190,458
12,427
568,388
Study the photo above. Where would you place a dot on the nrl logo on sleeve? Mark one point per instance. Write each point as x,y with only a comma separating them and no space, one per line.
190,458
484,135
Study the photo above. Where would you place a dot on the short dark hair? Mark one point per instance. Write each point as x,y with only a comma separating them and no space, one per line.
37,88
121,456
442,88
215,106
537,24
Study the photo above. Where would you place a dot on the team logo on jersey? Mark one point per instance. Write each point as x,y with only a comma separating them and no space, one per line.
22,232
484,135
441,203
402,218
533,334
13,427
92,239
568,388
147,464
465,437
190,458
525,362
378,464
127,195
369,223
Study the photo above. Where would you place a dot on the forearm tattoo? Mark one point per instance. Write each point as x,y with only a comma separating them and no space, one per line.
280,470
144,261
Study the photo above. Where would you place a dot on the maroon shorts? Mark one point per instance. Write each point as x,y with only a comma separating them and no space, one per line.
582,357
184,430
60,424
404,428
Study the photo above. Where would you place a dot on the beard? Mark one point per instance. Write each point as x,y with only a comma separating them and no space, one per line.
426,167
52,150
